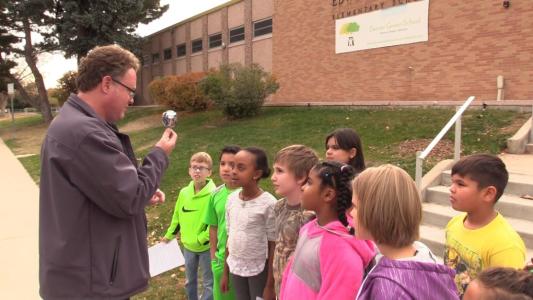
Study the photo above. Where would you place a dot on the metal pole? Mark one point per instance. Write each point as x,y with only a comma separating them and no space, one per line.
531,129
457,148
11,93
418,169
12,110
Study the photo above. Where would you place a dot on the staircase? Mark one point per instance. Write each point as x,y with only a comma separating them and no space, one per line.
518,211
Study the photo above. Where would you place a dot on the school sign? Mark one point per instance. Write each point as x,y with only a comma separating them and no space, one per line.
397,25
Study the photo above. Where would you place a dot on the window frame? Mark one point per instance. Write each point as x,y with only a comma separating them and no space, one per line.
156,58
167,54
214,43
196,50
232,35
181,46
264,29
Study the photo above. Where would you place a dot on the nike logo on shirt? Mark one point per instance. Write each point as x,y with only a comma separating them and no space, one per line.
186,210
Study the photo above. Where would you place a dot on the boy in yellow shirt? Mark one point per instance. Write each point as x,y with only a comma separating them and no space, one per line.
480,237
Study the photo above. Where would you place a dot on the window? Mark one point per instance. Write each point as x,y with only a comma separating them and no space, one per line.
262,27
215,40
167,54
155,58
236,34
146,59
197,46
181,50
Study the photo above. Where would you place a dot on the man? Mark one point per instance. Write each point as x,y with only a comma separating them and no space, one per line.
92,227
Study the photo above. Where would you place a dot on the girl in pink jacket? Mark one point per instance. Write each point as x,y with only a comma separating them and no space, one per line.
327,254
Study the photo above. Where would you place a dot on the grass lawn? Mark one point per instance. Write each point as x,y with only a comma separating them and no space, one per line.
388,135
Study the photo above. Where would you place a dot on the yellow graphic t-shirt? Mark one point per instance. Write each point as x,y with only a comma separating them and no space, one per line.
469,252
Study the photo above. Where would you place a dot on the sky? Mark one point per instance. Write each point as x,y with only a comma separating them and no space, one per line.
54,65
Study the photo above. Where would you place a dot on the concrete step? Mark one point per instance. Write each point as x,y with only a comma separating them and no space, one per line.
529,148
519,184
439,216
434,238
508,205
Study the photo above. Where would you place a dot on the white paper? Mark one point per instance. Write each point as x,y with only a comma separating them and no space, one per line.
164,257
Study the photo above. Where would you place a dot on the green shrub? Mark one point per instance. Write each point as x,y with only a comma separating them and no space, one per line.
180,92
239,91
157,90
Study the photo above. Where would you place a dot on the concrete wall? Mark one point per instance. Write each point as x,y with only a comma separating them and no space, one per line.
215,58
214,22
262,9
196,63
236,15
262,53
236,54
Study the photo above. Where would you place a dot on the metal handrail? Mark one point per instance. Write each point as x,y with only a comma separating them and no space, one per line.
531,128
421,155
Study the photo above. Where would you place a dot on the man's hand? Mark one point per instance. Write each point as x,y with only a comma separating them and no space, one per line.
167,141
158,197
164,240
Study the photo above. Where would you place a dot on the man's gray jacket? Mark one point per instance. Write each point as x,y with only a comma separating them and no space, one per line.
92,226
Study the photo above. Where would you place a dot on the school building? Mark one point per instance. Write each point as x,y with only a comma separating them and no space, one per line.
358,51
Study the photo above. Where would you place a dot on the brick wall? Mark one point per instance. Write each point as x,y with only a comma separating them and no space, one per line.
470,43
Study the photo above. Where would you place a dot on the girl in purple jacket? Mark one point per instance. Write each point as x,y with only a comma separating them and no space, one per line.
388,211
327,254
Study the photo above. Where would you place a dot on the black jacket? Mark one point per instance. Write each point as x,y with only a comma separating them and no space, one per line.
92,225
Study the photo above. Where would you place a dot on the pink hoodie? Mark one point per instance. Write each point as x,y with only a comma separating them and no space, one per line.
328,263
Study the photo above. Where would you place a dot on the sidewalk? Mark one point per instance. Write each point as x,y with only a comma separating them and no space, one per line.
19,259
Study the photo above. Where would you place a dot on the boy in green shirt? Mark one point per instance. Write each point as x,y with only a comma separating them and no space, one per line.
215,217
188,219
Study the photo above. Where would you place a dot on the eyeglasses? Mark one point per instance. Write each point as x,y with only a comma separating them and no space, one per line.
131,91
198,169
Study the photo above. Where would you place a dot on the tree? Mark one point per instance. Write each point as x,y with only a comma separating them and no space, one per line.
72,26
83,24
67,86
20,19
6,40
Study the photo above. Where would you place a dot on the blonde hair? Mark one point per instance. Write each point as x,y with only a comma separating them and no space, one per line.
389,205
299,159
202,157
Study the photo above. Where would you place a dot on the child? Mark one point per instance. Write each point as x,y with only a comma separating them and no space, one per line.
480,237
344,145
501,283
328,262
388,210
250,226
216,219
188,218
291,168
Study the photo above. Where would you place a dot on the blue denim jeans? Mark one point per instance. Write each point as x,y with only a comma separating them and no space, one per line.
192,261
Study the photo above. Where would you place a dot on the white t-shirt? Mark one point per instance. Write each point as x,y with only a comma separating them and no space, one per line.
250,225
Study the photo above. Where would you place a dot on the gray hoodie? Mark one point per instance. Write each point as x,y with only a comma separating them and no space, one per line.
92,225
